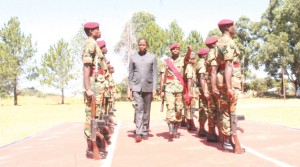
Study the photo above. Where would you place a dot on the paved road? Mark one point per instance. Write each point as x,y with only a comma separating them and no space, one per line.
64,145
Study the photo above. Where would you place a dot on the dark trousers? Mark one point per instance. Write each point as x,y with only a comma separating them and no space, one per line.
142,102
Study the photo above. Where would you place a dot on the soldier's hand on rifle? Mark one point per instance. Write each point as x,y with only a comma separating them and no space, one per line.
89,92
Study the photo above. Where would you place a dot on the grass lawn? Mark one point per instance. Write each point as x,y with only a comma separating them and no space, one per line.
37,114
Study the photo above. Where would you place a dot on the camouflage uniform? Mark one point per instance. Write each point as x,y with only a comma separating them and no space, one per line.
112,92
203,108
227,50
173,91
90,53
213,106
108,92
190,73
213,113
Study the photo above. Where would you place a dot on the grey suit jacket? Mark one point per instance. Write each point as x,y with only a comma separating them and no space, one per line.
143,72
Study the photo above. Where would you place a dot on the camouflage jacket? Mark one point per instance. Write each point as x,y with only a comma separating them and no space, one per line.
172,83
227,48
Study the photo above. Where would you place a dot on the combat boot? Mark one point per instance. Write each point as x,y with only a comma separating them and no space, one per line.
228,144
183,122
176,134
171,130
89,149
212,136
101,144
106,135
202,132
191,125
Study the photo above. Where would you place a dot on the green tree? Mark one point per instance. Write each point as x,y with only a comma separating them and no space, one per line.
77,44
6,72
246,43
128,42
156,38
278,33
195,40
259,85
57,65
18,50
175,34
214,33
288,21
122,89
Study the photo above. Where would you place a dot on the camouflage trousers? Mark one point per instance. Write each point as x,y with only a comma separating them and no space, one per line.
212,111
226,107
190,108
175,105
203,108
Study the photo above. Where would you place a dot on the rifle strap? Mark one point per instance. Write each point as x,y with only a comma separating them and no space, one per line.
180,78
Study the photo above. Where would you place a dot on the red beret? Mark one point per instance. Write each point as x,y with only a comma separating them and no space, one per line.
107,61
203,51
225,22
91,25
173,46
101,43
211,40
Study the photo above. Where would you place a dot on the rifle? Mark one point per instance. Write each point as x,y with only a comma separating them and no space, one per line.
163,89
104,117
94,130
234,127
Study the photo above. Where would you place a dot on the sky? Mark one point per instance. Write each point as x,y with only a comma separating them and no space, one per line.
50,20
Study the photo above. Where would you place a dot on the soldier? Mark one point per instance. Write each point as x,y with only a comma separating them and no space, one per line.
112,88
103,50
227,50
191,82
92,79
110,99
212,96
202,76
102,46
108,130
173,87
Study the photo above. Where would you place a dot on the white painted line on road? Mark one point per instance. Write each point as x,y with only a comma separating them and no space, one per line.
111,149
265,157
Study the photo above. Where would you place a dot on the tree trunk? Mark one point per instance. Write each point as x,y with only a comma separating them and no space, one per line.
283,84
15,92
62,97
296,84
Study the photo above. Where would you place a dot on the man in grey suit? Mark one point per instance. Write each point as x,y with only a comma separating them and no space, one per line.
142,86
